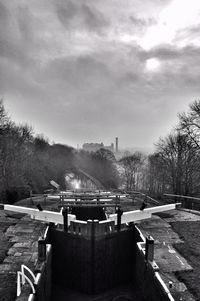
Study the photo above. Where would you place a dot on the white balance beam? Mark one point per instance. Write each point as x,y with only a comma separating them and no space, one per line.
45,216
57,217
136,215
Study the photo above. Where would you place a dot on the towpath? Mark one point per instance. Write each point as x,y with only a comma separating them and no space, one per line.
18,245
166,256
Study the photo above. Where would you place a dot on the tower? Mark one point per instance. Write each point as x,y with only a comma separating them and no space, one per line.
116,145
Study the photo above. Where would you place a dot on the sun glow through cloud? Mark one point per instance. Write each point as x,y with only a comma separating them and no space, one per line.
152,64
176,16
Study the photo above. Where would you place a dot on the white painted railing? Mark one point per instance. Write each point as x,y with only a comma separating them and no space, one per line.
22,277
23,268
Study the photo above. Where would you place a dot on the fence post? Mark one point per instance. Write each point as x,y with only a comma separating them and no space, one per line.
41,249
65,217
119,215
149,250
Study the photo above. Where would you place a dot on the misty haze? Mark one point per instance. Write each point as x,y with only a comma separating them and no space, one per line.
99,150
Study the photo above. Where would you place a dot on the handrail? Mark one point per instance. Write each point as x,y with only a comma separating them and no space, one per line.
19,273
182,196
24,267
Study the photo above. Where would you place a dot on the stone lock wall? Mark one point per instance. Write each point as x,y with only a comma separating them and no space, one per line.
146,274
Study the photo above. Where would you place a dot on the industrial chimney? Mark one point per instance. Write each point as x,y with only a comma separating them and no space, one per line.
116,145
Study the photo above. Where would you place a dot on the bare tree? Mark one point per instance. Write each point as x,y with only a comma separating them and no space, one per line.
189,123
174,166
131,167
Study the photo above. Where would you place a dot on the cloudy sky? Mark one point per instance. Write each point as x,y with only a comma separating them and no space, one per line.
88,71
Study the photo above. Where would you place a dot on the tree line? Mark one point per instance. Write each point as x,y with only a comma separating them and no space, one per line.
28,162
174,167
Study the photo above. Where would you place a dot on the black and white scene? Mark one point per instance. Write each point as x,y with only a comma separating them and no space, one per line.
99,150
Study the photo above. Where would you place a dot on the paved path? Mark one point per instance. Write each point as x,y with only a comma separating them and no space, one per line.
18,245
166,256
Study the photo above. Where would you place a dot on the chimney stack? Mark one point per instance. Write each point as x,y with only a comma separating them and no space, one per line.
116,144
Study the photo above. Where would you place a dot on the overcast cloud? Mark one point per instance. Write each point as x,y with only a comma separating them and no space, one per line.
88,71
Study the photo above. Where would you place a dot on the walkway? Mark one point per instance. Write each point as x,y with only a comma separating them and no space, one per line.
166,256
18,245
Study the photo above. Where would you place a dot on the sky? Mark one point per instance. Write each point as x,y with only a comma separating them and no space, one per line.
89,71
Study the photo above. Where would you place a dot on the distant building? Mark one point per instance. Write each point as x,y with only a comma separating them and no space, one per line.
93,147
110,147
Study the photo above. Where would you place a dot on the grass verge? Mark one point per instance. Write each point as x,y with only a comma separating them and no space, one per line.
189,232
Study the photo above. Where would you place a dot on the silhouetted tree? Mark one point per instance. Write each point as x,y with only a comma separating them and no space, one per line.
174,166
189,123
131,170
